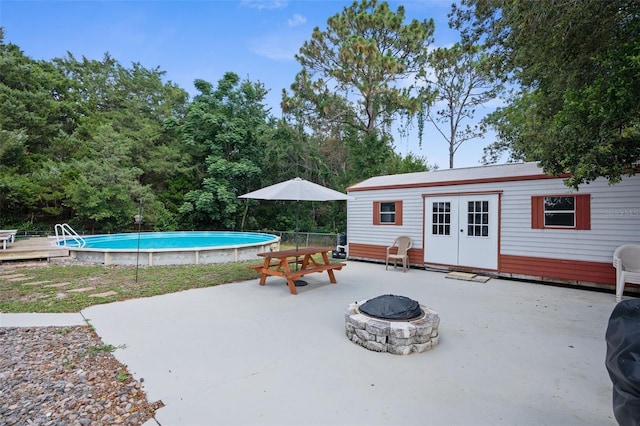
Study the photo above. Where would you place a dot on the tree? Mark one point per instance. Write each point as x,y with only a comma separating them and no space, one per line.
462,79
36,117
361,57
577,66
352,85
54,117
223,133
105,187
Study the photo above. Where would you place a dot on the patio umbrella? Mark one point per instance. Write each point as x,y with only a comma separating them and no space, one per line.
297,190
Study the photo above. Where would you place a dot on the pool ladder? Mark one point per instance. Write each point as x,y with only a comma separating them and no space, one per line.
62,230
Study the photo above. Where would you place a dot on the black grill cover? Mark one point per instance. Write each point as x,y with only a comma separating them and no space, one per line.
623,361
391,307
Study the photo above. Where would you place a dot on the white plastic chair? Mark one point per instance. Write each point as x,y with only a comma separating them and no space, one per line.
626,260
404,244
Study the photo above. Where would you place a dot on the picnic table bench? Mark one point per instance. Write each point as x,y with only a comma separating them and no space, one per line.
7,236
277,263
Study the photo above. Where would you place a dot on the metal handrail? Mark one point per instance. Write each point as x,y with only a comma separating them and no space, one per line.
65,229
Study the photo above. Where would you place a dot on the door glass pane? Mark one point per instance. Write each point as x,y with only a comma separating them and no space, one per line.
478,219
441,216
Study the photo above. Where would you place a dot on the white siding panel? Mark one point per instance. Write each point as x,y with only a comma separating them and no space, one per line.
360,228
597,244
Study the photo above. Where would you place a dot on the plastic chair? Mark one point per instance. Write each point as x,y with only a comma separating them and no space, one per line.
626,260
403,244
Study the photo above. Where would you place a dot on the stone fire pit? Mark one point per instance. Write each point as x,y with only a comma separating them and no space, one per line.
417,333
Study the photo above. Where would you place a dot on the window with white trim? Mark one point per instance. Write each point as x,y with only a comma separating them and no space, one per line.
560,211
571,212
387,212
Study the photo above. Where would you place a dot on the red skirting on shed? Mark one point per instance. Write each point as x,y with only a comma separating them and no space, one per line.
545,268
535,268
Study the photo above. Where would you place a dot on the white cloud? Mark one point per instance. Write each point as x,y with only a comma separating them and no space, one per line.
296,20
276,46
265,4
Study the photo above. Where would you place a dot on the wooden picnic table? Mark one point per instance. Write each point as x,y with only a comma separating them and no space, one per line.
277,263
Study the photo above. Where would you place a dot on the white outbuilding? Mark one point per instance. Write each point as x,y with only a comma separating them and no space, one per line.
508,220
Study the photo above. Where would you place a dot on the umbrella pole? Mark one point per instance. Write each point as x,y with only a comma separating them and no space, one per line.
297,225
298,283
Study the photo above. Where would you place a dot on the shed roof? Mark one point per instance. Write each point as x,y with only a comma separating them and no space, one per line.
466,175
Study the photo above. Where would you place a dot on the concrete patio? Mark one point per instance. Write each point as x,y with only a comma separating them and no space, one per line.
511,353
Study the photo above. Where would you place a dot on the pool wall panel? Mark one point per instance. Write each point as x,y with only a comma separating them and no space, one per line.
173,257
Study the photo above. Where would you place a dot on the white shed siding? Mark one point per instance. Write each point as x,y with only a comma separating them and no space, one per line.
360,226
596,244
615,216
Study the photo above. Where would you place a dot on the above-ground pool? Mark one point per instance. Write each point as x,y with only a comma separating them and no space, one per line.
171,248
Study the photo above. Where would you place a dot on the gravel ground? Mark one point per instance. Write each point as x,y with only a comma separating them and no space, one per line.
66,376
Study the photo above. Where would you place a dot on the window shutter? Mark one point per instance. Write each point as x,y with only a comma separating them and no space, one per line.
537,212
376,212
583,211
398,212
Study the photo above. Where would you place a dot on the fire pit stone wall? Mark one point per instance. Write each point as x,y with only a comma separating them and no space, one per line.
395,337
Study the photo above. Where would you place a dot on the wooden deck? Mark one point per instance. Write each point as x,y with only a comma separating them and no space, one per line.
31,249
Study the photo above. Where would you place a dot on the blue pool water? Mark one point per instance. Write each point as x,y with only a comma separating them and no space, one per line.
171,240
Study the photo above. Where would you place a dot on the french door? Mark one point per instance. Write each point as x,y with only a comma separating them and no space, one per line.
462,230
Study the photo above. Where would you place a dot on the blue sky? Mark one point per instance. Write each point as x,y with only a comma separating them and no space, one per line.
256,39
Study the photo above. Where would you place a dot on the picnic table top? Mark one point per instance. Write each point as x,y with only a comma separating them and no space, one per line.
302,251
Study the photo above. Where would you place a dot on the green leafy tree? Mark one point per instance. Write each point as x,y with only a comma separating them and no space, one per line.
576,64
36,117
135,103
364,53
224,134
515,123
352,86
104,187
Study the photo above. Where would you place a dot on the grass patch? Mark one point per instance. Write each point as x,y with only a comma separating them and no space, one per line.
94,350
19,297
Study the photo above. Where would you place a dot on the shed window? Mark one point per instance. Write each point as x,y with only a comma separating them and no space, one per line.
561,211
387,212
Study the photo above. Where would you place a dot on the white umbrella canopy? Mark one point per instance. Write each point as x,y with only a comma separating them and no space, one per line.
297,190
